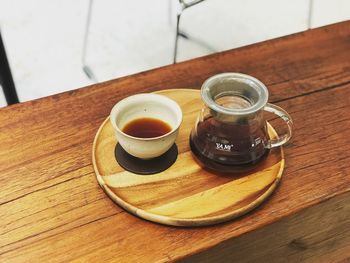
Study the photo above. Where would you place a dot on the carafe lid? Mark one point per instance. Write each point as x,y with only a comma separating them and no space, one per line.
234,94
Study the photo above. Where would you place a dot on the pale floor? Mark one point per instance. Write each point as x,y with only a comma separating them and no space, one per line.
44,38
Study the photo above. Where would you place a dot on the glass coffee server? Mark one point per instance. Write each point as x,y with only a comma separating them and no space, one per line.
231,134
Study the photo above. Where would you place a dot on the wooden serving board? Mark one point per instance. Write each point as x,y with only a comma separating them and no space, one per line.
185,194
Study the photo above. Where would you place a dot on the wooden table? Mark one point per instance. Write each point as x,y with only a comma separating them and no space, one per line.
52,209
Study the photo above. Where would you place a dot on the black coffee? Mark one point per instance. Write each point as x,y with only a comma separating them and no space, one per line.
229,147
147,128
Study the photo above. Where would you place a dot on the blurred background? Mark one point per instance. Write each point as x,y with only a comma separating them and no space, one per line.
44,39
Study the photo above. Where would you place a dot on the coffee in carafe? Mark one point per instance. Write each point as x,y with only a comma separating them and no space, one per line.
230,134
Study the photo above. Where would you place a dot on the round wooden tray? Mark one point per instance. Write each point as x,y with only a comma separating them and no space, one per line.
184,194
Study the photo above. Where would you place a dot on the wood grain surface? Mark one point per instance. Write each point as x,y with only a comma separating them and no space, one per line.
52,209
185,194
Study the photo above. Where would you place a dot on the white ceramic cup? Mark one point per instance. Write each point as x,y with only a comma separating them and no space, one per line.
146,106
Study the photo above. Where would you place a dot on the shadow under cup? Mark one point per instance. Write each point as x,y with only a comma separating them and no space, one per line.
231,134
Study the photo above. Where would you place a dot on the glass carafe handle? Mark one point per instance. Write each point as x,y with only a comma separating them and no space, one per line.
287,119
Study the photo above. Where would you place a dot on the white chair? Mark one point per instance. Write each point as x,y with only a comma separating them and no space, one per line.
182,6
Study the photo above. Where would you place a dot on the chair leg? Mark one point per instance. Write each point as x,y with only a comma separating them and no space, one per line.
198,41
182,6
177,33
309,20
87,70
6,79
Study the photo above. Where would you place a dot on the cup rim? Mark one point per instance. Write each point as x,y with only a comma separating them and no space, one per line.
178,112
210,102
